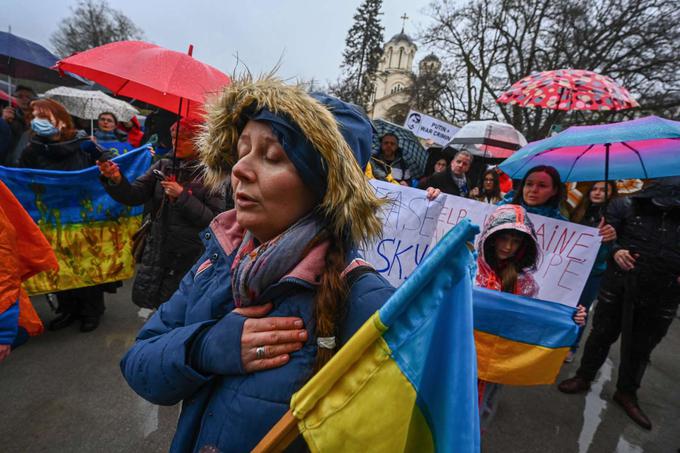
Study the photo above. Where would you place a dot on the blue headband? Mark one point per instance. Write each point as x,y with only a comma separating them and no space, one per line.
356,129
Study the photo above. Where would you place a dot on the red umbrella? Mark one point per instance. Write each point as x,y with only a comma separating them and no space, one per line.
167,79
7,98
569,89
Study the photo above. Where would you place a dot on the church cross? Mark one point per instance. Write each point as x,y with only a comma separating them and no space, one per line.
403,18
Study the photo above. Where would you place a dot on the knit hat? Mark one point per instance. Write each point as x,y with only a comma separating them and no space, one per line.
327,140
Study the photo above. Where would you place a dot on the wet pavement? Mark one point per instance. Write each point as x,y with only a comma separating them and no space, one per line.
63,392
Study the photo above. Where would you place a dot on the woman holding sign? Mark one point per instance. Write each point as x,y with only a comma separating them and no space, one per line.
279,288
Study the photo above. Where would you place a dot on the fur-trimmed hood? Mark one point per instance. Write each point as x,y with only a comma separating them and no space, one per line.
349,204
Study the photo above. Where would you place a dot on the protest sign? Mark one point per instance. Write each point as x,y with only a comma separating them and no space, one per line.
413,225
429,128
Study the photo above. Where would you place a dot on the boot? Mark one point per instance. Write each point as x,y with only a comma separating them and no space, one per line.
89,324
629,404
574,385
61,321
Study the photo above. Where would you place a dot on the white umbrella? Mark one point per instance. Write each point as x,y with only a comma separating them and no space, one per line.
89,104
488,139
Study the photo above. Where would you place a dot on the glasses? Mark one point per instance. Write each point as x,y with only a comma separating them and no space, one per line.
106,120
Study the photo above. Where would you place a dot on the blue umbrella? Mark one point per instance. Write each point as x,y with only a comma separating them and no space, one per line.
643,148
24,59
412,151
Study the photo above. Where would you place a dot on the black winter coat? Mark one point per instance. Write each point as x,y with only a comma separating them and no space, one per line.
444,182
650,231
173,243
64,156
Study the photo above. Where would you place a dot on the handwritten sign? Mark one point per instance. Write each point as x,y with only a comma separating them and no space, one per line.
413,225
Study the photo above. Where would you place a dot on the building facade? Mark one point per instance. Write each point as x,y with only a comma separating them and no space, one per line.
390,100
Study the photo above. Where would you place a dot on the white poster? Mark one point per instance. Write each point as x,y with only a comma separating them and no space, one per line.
413,225
429,128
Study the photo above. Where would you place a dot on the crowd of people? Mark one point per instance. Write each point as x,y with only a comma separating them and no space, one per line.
237,294
639,257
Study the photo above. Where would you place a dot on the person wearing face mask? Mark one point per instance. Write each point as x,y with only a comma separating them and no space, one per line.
280,287
57,145
181,206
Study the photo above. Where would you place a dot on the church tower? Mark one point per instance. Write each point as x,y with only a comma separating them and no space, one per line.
395,72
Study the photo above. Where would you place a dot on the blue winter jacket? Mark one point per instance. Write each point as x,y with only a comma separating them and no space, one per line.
189,350
545,211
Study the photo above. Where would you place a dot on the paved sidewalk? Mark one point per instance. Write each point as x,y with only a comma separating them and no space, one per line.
63,392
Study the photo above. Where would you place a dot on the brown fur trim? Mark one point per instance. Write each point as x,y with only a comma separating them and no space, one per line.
350,204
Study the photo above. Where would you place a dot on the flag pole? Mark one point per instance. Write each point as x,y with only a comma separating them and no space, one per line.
280,436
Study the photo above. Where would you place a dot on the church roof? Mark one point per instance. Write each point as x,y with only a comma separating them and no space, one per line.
401,36
430,57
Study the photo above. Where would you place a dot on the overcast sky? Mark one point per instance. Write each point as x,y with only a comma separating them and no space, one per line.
309,35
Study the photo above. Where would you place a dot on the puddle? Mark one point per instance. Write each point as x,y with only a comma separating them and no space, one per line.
626,447
595,405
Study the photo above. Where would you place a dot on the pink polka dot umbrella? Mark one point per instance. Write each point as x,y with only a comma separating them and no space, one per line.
568,89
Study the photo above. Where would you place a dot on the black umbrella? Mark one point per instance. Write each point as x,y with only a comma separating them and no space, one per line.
24,59
412,151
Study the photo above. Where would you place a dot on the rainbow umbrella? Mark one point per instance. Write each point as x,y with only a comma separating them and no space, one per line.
643,148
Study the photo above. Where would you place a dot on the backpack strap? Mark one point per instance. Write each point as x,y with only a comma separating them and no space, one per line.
355,269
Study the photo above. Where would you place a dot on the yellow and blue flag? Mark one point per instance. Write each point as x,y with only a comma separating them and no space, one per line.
89,232
519,340
407,380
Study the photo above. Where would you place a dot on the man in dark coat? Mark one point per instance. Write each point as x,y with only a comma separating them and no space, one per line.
639,294
454,181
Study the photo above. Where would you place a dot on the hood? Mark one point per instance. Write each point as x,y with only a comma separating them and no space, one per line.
349,204
664,192
510,217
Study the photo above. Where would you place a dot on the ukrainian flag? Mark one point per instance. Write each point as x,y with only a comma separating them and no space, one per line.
406,381
88,231
520,341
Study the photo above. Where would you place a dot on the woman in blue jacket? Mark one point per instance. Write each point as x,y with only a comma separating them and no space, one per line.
540,192
285,254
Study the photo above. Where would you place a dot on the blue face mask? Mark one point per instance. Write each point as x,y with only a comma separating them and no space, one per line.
43,127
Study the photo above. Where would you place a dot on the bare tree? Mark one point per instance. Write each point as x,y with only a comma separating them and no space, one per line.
427,91
489,44
92,23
